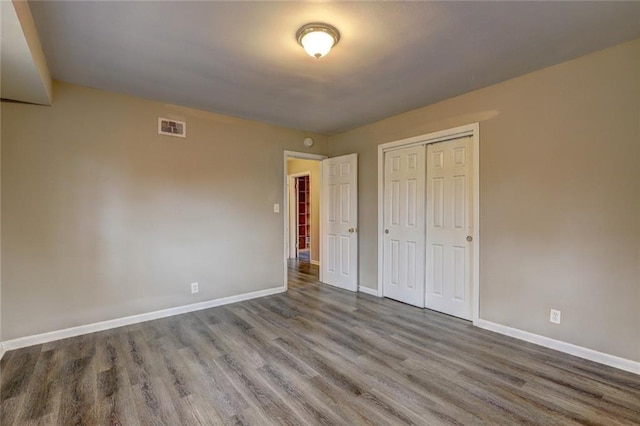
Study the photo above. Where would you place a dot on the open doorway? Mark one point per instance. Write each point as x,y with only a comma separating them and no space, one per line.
302,218
335,252
301,234
303,200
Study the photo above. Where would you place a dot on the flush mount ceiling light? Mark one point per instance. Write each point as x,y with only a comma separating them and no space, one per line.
317,39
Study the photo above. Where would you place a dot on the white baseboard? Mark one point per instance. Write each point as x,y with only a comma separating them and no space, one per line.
38,339
367,290
2,350
579,351
315,262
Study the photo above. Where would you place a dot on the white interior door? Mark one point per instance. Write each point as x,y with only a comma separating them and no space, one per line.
450,227
404,225
340,221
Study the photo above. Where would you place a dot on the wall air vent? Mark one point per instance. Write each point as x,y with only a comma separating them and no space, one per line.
169,127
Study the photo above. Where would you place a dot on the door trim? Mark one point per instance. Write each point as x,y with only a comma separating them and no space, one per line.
472,130
285,208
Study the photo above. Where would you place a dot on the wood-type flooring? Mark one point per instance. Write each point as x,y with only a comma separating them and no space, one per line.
314,355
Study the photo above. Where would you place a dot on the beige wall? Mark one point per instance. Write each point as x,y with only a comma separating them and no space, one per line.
104,218
0,232
559,196
296,165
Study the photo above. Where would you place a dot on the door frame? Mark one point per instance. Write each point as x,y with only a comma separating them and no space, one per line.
285,218
472,130
294,218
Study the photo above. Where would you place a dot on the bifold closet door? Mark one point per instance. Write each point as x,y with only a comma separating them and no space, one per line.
404,225
449,227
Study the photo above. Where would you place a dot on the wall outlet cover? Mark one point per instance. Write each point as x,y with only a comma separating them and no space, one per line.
194,288
554,317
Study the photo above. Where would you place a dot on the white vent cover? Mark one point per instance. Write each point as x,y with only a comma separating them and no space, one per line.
170,127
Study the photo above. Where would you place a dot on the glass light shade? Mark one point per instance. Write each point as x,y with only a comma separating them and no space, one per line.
317,38
317,43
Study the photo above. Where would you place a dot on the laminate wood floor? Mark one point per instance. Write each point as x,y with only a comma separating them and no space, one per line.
313,355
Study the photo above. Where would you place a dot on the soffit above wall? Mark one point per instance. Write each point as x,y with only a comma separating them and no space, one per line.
24,73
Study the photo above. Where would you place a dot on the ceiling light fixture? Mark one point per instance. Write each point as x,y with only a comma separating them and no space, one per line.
317,38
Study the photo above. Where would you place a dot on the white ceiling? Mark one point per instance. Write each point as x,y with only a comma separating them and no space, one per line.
242,59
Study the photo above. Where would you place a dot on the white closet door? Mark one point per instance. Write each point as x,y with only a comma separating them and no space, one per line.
404,225
449,227
340,221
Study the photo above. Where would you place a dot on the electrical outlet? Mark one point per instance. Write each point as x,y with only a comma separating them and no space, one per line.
194,288
555,316
276,208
